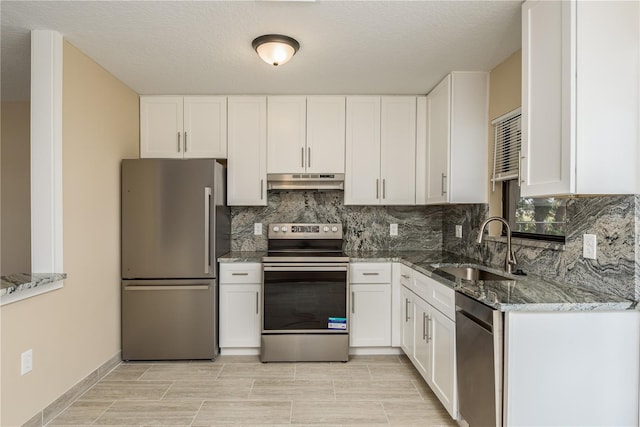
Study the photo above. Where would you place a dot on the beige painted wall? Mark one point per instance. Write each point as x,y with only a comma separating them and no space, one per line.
74,330
505,94
16,203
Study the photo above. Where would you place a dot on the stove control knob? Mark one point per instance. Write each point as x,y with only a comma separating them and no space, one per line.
284,228
334,229
325,229
276,228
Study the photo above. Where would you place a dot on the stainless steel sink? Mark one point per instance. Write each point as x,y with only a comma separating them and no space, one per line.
472,273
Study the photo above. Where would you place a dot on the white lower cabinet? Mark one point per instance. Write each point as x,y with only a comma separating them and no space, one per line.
406,334
421,344
240,317
442,375
370,304
370,315
429,335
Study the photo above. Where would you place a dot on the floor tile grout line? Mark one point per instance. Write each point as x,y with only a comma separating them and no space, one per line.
291,411
102,413
197,413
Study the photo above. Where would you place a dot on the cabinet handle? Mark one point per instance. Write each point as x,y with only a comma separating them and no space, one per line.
406,276
207,211
257,303
239,274
353,303
406,309
384,188
309,157
185,141
424,327
178,142
428,334
302,157
520,157
370,274
443,187
377,188
261,189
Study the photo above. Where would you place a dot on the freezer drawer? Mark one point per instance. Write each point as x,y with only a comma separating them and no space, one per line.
169,319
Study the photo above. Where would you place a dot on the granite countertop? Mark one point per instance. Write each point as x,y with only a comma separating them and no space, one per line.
23,281
523,293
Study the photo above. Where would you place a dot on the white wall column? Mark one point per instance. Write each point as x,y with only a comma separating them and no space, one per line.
46,152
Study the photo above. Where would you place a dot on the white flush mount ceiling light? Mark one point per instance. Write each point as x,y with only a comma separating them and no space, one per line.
275,49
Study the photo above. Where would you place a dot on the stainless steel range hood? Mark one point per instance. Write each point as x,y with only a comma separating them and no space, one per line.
305,181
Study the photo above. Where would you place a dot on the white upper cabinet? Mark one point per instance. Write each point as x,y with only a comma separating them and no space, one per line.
205,127
398,150
381,148
161,126
325,134
457,149
286,134
183,127
306,134
580,98
247,162
362,174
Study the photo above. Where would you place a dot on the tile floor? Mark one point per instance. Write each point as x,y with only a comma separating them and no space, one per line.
239,390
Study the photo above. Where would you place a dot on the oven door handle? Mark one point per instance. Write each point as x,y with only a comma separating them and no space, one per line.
292,267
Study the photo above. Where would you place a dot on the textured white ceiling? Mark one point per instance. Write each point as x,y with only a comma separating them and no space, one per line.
204,47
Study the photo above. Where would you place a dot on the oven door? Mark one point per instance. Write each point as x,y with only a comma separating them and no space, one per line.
305,298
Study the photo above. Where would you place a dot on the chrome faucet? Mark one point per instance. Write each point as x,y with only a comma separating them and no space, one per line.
510,261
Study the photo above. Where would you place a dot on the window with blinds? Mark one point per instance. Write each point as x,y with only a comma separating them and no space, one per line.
506,147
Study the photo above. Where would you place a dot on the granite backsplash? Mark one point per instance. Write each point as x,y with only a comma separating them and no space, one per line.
615,220
366,228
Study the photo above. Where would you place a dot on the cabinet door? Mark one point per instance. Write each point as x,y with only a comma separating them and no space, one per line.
407,334
370,315
161,127
422,348
362,174
205,127
325,134
286,134
398,150
442,372
247,157
546,98
438,138
239,315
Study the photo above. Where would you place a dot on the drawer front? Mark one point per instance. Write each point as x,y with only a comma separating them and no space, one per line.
406,275
370,272
241,272
442,298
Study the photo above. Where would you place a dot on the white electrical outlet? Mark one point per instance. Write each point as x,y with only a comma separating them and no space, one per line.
589,246
26,364
459,231
257,229
393,229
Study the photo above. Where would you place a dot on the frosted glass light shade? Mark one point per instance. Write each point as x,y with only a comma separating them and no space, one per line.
275,49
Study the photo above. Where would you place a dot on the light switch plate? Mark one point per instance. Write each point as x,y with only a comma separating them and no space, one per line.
589,246
459,231
257,229
393,229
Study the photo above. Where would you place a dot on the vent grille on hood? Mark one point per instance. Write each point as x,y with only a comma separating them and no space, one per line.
305,181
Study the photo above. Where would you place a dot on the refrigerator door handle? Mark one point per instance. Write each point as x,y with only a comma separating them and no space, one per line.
207,210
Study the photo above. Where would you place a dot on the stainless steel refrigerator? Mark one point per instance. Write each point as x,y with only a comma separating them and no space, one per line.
175,223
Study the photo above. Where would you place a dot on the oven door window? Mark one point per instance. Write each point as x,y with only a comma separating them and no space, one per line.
304,301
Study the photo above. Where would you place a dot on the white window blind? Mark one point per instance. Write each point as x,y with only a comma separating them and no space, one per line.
506,147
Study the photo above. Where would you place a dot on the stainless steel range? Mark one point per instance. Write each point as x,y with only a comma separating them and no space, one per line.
305,294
